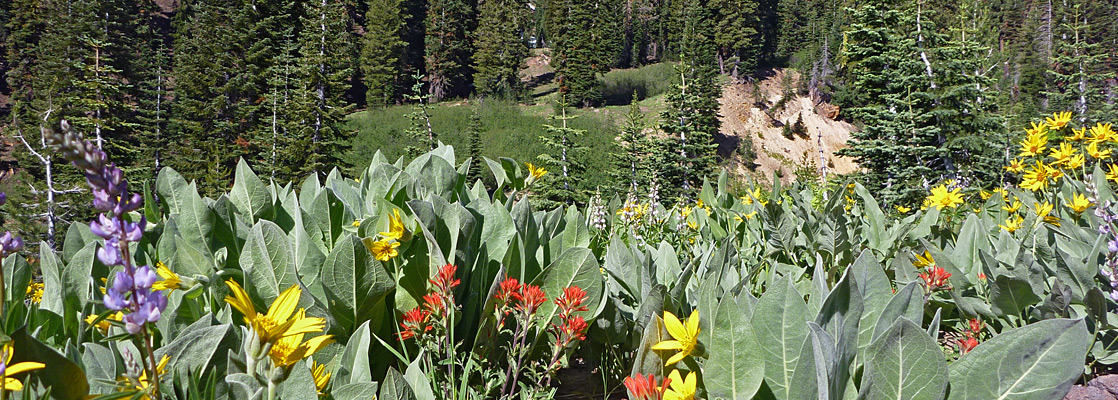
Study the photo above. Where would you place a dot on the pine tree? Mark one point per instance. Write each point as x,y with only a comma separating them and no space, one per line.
382,52
565,157
448,50
500,48
1078,71
581,34
737,34
423,136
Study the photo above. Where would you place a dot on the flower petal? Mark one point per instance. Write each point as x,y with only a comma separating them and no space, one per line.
668,345
12,385
23,367
240,300
675,358
693,325
285,304
675,327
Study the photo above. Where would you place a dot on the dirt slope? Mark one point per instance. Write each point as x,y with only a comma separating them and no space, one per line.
748,113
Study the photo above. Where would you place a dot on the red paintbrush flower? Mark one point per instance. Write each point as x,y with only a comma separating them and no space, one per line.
413,323
444,281
530,298
645,388
571,300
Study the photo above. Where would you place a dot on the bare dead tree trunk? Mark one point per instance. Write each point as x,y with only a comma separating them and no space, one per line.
920,44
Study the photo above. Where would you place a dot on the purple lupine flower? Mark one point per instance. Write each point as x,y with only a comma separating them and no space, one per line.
131,290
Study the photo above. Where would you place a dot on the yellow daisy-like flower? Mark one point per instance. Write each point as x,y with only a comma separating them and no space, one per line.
1078,134
1079,203
1015,165
747,199
902,209
13,384
1058,120
170,280
686,336
1112,175
321,377
1012,207
281,320
396,228
1101,133
923,261
1075,161
747,216
1012,224
1094,152
692,225
535,172
756,193
1062,153
984,195
1042,211
104,325
35,292
1035,142
289,350
680,388
942,198
383,250
356,223
1037,178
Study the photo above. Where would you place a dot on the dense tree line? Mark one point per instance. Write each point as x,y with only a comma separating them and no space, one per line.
199,84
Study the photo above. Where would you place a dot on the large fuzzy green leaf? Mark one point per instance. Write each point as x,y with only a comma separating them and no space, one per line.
736,366
268,261
839,317
355,282
904,363
249,193
1038,361
66,380
780,322
575,267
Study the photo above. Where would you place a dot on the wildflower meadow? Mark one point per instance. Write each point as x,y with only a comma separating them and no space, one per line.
411,282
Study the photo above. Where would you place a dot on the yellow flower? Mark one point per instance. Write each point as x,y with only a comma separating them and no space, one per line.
1102,133
686,212
1035,141
1079,203
1012,207
35,292
680,388
747,216
941,198
984,195
1113,174
925,260
1059,120
12,384
685,336
1012,224
289,350
1037,177
692,225
1094,152
1015,165
756,193
104,325
170,281
281,320
902,209
1062,153
321,377
356,223
383,250
396,228
1075,161
1078,134
534,172
747,199
1042,210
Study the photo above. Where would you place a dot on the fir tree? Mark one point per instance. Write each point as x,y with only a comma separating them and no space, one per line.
565,157
475,130
323,70
422,134
630,163
580,31
448,50
500,48
1078,71
381,52
737,34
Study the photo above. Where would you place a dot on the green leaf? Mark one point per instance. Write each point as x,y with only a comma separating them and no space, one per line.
904,363
300,383
1038,361
874,286
249,193
393,386
354,366
356,391
354,281
577,266
907,303
1010,295
63,377
839,317
199,348
17,276
420,385
736,366
779,319
51,268
268,261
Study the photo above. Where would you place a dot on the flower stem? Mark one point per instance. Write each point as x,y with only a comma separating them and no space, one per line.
153,372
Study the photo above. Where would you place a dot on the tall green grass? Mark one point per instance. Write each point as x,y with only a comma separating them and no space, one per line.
509,131
647,81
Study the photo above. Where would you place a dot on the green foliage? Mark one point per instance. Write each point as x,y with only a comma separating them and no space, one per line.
447,47
647,82
382,48
500,49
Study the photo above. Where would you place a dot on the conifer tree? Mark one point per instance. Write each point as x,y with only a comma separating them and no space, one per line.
448,50
423,136
737,34
565,157
323,70
500,48
581,33
382,49
631,162
1078,70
